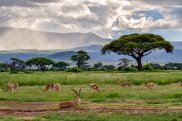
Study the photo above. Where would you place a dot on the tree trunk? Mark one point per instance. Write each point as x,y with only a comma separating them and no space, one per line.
139,62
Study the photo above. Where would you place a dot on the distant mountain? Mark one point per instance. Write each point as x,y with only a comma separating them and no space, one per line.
66,55
24,38
91,48
177,45
158,56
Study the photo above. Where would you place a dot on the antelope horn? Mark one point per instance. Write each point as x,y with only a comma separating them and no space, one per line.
75,91
79,91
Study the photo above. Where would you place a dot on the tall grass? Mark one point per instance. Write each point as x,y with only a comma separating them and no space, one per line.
68,78
113,117
111,93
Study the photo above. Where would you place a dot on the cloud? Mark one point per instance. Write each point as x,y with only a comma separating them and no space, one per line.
99,16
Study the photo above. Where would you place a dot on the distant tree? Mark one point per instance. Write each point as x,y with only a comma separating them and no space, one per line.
80,58
124,62
108,67
4,67
138,46
61,65
40,62
173,66
97,65
17,64
156,65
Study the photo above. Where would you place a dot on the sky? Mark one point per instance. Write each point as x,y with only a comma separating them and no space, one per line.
106,18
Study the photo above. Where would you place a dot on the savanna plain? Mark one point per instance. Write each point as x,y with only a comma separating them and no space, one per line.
163,102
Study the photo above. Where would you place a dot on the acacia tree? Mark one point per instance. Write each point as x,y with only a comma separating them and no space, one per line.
124,62
18,64
138,46
61,65
40,62
80,58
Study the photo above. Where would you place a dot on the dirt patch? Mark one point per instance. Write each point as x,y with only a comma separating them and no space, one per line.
29,109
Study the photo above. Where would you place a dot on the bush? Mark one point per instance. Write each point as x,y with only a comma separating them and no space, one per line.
147,67
74,70
13,71
131,69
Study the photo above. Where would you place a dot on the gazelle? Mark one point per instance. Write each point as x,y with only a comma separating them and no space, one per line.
149,84
93,87
124,84
69,104
11,86
53,86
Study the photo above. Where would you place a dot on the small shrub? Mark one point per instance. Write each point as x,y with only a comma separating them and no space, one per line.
76,70
130,69
148,67
13,71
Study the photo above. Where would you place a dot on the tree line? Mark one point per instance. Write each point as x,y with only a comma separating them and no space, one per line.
134,45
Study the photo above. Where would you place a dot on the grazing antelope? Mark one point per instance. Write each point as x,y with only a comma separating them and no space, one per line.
149,84
124,84
53,86
93,87
69,104
11,86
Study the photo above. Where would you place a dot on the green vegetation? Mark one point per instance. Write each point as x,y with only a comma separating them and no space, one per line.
90,116
31,84
137,46
65,78
81,57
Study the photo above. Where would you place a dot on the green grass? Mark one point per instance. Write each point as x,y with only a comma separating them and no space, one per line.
102,117
112,93
113,117
166,93
69,78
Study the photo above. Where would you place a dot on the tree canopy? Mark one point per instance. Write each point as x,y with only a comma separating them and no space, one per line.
40,62
138,46
80,58
61,65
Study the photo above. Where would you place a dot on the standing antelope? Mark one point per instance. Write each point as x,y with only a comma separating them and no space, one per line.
93,87
69,104
149,84
53,86
11,86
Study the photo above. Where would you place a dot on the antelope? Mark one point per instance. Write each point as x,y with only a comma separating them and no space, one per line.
69,104
11,86
93,87
149,84
123,84
53,86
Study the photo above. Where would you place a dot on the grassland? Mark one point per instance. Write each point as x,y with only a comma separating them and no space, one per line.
136,103
68,78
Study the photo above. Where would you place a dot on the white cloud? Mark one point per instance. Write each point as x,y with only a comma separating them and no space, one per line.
99,16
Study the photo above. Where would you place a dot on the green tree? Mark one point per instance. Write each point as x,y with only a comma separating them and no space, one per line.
98,65
80,58
18,64
40,62
124,62
4,67
61,65
138,46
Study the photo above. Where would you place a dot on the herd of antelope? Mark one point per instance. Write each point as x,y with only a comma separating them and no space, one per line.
67,104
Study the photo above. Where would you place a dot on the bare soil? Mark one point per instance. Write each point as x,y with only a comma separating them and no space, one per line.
30,109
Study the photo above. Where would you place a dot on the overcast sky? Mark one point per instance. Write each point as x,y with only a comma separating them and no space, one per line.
107,18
